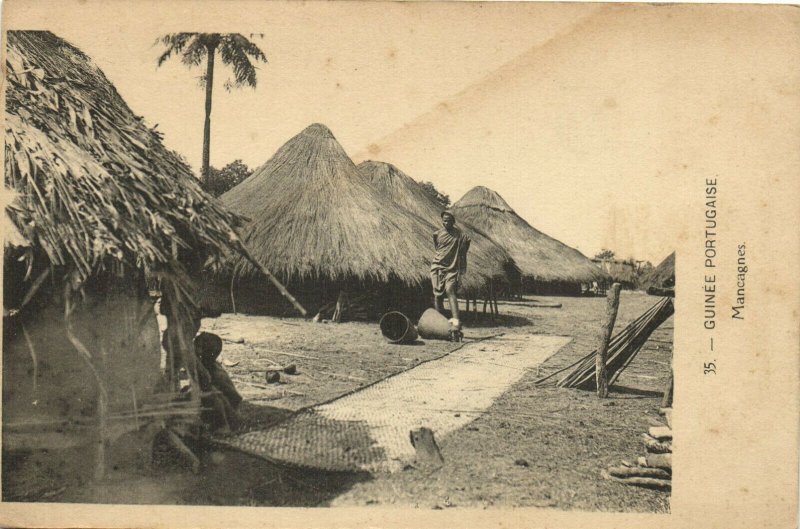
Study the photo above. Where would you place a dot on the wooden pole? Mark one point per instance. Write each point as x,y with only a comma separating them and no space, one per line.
102,436
491,297
102,395
601,376
233,299
341,303
666,400
282,289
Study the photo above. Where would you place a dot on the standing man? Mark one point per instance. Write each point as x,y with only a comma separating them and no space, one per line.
449,262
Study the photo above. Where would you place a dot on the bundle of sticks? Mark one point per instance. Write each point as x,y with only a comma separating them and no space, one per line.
622,349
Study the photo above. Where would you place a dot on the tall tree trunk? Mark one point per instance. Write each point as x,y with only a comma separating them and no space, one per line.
207,126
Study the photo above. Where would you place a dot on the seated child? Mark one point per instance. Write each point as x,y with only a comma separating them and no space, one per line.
222,396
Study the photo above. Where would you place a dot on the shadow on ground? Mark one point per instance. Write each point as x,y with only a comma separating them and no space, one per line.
258,416
235,478
485,322
226,477
503,320
627,390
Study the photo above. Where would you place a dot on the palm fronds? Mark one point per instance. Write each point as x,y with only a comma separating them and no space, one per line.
235,50
95,184
175,44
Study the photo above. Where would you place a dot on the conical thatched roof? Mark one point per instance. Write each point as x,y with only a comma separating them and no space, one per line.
314,216
484,197
486,258
96,186
662,276
537,255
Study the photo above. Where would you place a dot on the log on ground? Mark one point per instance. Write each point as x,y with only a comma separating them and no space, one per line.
660,432
641,472
654,446
657,461
650,483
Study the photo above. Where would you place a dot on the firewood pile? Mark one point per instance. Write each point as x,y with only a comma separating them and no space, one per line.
653,470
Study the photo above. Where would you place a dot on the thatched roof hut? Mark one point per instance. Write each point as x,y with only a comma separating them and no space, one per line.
662,276
314,219
100,203
487,259
547,265
96,185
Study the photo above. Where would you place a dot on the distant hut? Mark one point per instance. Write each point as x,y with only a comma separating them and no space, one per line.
661,280
622,272
547,265
490,267
330,235
100,203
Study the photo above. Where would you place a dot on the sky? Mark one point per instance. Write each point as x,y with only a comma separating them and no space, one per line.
591,120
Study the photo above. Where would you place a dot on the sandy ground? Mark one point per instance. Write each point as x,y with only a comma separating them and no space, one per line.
565,437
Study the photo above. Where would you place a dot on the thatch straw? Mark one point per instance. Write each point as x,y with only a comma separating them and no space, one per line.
537,255
486,258
314,216
662,276
97,188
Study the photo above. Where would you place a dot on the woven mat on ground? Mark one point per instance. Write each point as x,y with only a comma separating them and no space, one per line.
368,430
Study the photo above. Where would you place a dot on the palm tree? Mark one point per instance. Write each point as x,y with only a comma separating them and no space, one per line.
235,50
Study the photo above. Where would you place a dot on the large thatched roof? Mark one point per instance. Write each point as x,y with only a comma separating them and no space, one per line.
537,255
314,216
96,187
486,258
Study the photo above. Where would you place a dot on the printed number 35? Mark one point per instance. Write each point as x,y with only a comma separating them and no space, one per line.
710,367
